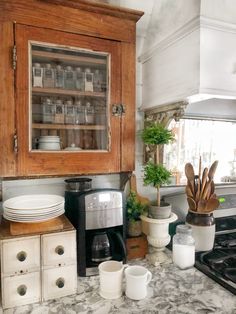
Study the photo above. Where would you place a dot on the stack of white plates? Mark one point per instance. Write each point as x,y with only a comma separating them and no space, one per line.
33,208
48,142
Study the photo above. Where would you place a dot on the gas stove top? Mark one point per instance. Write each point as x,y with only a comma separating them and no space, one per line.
220,263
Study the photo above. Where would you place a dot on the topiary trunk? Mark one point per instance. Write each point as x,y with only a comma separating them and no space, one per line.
158,196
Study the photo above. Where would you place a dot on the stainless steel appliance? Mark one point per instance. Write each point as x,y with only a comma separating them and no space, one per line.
99,218
220,262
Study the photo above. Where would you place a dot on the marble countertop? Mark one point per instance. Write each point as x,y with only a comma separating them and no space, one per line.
170,291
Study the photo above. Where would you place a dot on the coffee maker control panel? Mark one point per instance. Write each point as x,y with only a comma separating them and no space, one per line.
103,200
103,209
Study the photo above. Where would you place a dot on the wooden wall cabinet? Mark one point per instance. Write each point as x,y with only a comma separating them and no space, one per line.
77,121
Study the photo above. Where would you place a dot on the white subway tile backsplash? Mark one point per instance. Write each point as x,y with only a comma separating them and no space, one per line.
12,188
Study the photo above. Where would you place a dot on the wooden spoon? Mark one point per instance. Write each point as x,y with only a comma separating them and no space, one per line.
189,172
212,204
188,191
212,170
201,205
192,204
204,180
206,190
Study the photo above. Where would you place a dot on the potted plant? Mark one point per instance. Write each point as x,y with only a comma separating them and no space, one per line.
134,208
155,135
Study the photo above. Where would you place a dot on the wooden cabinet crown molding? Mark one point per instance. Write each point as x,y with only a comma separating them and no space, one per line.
96,7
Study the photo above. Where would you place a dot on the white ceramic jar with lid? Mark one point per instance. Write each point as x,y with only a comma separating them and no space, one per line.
183,247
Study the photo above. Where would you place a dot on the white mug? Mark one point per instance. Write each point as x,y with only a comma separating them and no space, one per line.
110,277
137,279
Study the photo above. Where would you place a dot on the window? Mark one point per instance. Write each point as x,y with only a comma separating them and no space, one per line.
212,140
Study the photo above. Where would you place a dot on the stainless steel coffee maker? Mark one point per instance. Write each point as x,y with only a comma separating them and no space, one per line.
99,218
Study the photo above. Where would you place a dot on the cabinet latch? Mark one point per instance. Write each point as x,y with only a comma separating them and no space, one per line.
118,109
14,57
15,141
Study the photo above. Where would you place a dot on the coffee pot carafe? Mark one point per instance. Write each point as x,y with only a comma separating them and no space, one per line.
101,249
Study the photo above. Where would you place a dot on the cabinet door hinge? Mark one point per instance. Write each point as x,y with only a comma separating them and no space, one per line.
118,110
15,141
14,57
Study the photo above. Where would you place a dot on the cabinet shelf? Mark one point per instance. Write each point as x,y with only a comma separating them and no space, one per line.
66,92
69,59
43,126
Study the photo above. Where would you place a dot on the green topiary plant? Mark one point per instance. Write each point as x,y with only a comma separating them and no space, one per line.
134,207
154,135
156,175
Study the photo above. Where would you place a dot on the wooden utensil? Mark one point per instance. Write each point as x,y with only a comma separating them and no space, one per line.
192,204
204,180
212,204
188,191
189,172
199,179
212,170
206,190
201,205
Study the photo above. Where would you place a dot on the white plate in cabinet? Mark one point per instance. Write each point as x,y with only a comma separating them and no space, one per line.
59,282
20,290
20,255
59,249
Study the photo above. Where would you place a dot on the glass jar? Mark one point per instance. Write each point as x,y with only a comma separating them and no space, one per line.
37,75
59,112
59,77
48,76
79,79
183,247
48,110
88,80
79,113
69,112
69,78
97,81
89,113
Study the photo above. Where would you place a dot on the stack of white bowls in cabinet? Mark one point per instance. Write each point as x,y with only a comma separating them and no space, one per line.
49,142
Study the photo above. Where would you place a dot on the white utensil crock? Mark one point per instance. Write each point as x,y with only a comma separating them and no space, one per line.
137,279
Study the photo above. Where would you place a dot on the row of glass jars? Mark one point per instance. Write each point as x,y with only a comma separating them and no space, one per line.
68,78
69,112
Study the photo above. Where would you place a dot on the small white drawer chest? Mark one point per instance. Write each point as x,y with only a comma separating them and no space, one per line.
37,267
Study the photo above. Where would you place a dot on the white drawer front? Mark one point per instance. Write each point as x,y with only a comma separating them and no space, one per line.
59,249
20,290
20,255
59,282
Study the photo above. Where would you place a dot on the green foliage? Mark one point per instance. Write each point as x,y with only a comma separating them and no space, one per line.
156,175
156,134
134,207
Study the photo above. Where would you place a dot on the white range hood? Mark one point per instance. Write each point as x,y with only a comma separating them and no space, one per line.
196,60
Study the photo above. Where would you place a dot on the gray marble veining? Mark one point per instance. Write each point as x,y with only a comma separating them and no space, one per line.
171,291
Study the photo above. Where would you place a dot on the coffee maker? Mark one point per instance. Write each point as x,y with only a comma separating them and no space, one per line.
99,218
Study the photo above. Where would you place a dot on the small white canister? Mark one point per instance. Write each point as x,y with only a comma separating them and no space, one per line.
183,247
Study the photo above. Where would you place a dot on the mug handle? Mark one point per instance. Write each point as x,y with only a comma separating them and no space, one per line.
149,277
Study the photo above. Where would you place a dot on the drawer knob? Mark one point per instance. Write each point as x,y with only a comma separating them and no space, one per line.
21,256
21,290
60,250
60,282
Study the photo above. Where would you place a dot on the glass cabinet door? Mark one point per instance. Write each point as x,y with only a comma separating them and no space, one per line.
69,89
66,86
